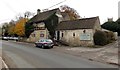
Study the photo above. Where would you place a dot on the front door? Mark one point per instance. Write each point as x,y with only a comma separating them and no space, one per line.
58,35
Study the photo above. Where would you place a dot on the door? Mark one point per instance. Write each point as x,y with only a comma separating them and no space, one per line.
58,35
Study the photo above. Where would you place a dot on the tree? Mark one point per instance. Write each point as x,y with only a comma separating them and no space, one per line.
71,12
11,28
27,14
29,28
19,16
11,31
5,29
20,27
118,28
112,26
0,31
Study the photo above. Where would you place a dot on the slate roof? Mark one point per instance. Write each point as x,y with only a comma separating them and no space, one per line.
42,16
85,23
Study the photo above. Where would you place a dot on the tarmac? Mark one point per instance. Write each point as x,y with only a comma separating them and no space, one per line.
3,65
106,54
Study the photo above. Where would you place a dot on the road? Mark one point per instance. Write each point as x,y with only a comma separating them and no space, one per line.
25,55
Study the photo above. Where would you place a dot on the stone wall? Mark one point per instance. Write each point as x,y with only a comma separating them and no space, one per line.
74,37
35,36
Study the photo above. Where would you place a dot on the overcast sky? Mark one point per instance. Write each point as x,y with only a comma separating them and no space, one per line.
86,8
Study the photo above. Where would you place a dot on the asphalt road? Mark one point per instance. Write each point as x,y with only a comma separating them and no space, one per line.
27,56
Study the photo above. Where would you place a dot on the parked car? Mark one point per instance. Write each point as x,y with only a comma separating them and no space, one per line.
44,43
10,38
15,38
5,38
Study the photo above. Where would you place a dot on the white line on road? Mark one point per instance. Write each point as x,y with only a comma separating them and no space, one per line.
4,64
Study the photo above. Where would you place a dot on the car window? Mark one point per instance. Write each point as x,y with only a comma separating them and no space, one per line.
45,40
41,40
48,41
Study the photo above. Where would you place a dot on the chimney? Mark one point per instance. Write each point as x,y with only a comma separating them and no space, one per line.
110,19
38,11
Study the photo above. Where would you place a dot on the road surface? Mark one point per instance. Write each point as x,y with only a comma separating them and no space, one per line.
25,55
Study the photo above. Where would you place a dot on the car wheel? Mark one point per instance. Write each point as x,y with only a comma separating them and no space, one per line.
36,46
42,46
51,47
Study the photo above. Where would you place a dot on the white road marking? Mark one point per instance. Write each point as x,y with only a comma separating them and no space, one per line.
4,64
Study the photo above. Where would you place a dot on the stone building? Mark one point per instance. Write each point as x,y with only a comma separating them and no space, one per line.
78,32
44,24
40,32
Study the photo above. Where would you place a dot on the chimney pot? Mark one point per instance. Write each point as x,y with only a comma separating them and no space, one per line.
38,11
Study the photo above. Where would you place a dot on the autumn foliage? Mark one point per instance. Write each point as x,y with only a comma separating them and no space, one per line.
71,12
20,27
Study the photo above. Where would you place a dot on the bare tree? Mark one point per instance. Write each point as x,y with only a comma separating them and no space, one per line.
27,14
18,16
5,29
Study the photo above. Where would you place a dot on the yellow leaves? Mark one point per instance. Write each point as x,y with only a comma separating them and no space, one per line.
20,27
70,11
71,14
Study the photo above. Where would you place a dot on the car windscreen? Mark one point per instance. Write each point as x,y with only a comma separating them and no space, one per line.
45,40
41,41
48,40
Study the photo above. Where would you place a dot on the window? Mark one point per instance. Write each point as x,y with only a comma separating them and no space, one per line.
41,35
41,40
62,34
84,31
33,35
73,34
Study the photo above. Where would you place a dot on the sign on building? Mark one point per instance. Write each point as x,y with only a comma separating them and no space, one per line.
42,34
85,36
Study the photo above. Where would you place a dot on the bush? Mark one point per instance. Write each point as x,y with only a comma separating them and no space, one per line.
100,38
110,36
103,37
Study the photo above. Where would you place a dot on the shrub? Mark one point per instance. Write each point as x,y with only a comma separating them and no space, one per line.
100,38
103,37
110,36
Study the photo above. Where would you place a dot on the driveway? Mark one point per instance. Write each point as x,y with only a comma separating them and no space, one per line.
107,54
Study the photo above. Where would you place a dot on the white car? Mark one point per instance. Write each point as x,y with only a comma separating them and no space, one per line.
44,43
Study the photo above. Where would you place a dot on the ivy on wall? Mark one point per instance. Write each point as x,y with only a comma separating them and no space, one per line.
29,28
50,24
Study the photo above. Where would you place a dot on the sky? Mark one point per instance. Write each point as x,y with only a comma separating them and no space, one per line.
86,8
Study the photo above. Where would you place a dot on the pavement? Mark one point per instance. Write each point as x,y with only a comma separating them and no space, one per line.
107,54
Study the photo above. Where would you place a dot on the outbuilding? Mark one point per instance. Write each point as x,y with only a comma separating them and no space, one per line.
78,32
